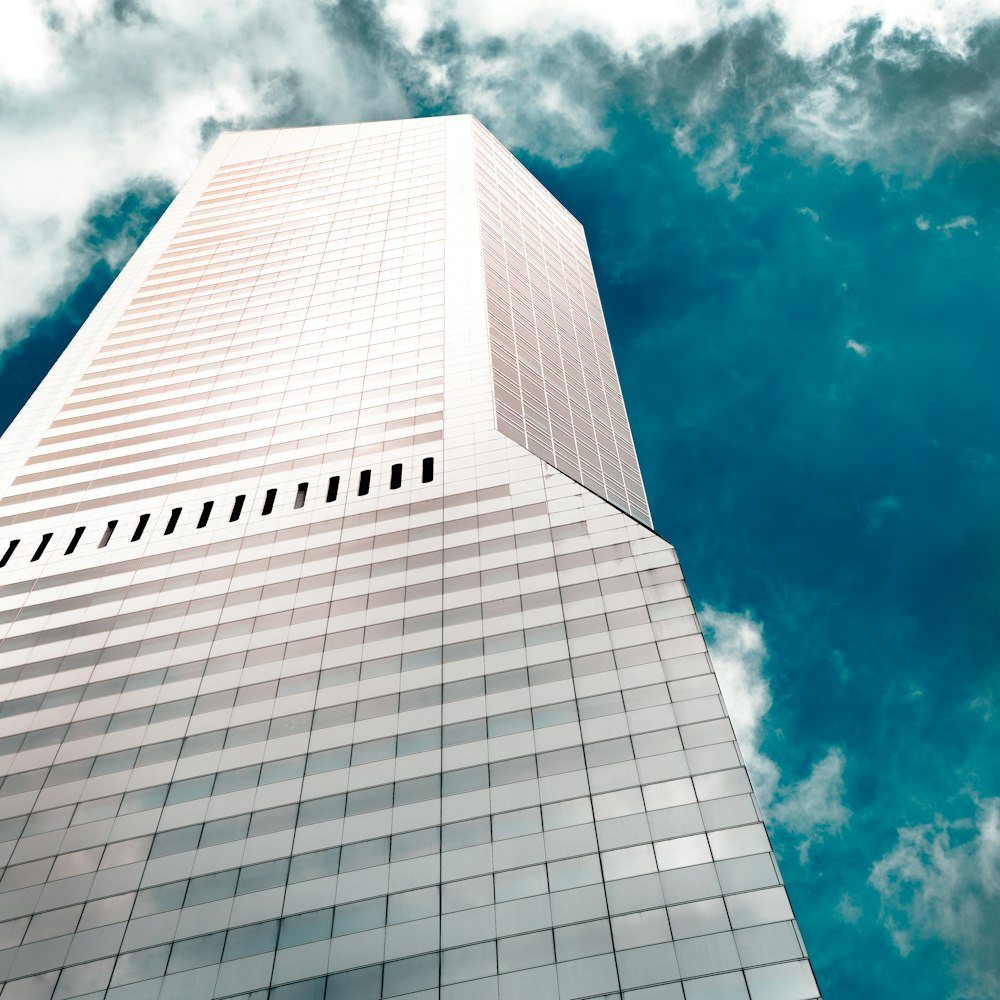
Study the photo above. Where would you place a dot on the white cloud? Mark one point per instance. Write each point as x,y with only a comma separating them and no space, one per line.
813,28
628,24
959,222
941,884
815,807
878,510
738,653
862,350
983,705
962,222
812,808
848,910
810,29
721,165
27,55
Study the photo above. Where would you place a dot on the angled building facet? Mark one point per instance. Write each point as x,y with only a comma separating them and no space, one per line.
338,657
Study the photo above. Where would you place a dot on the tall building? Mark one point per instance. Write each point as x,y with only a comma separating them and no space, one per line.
339,658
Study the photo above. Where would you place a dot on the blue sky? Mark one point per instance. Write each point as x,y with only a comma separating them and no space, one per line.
794,214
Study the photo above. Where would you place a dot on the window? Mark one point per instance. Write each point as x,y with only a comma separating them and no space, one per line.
46,538
206,513
175,516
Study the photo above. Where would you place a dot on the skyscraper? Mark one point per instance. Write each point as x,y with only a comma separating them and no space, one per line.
339,657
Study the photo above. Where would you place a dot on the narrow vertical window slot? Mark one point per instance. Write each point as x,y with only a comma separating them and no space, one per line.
10,551
175,516
46,538
140,527
427,472
396,476
74,541
365,483
269,501
206,513
300,495
108,532
331,489
237,507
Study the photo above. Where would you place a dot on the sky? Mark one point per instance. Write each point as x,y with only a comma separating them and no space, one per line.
794,215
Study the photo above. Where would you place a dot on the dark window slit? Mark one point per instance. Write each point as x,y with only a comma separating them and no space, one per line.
332,491
140,527
46,538
108,532
74,541
175,516
206,513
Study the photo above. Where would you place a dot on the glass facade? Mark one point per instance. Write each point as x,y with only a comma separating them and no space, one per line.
337,655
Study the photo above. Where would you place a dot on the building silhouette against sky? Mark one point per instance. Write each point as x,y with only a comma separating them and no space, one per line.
338,657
